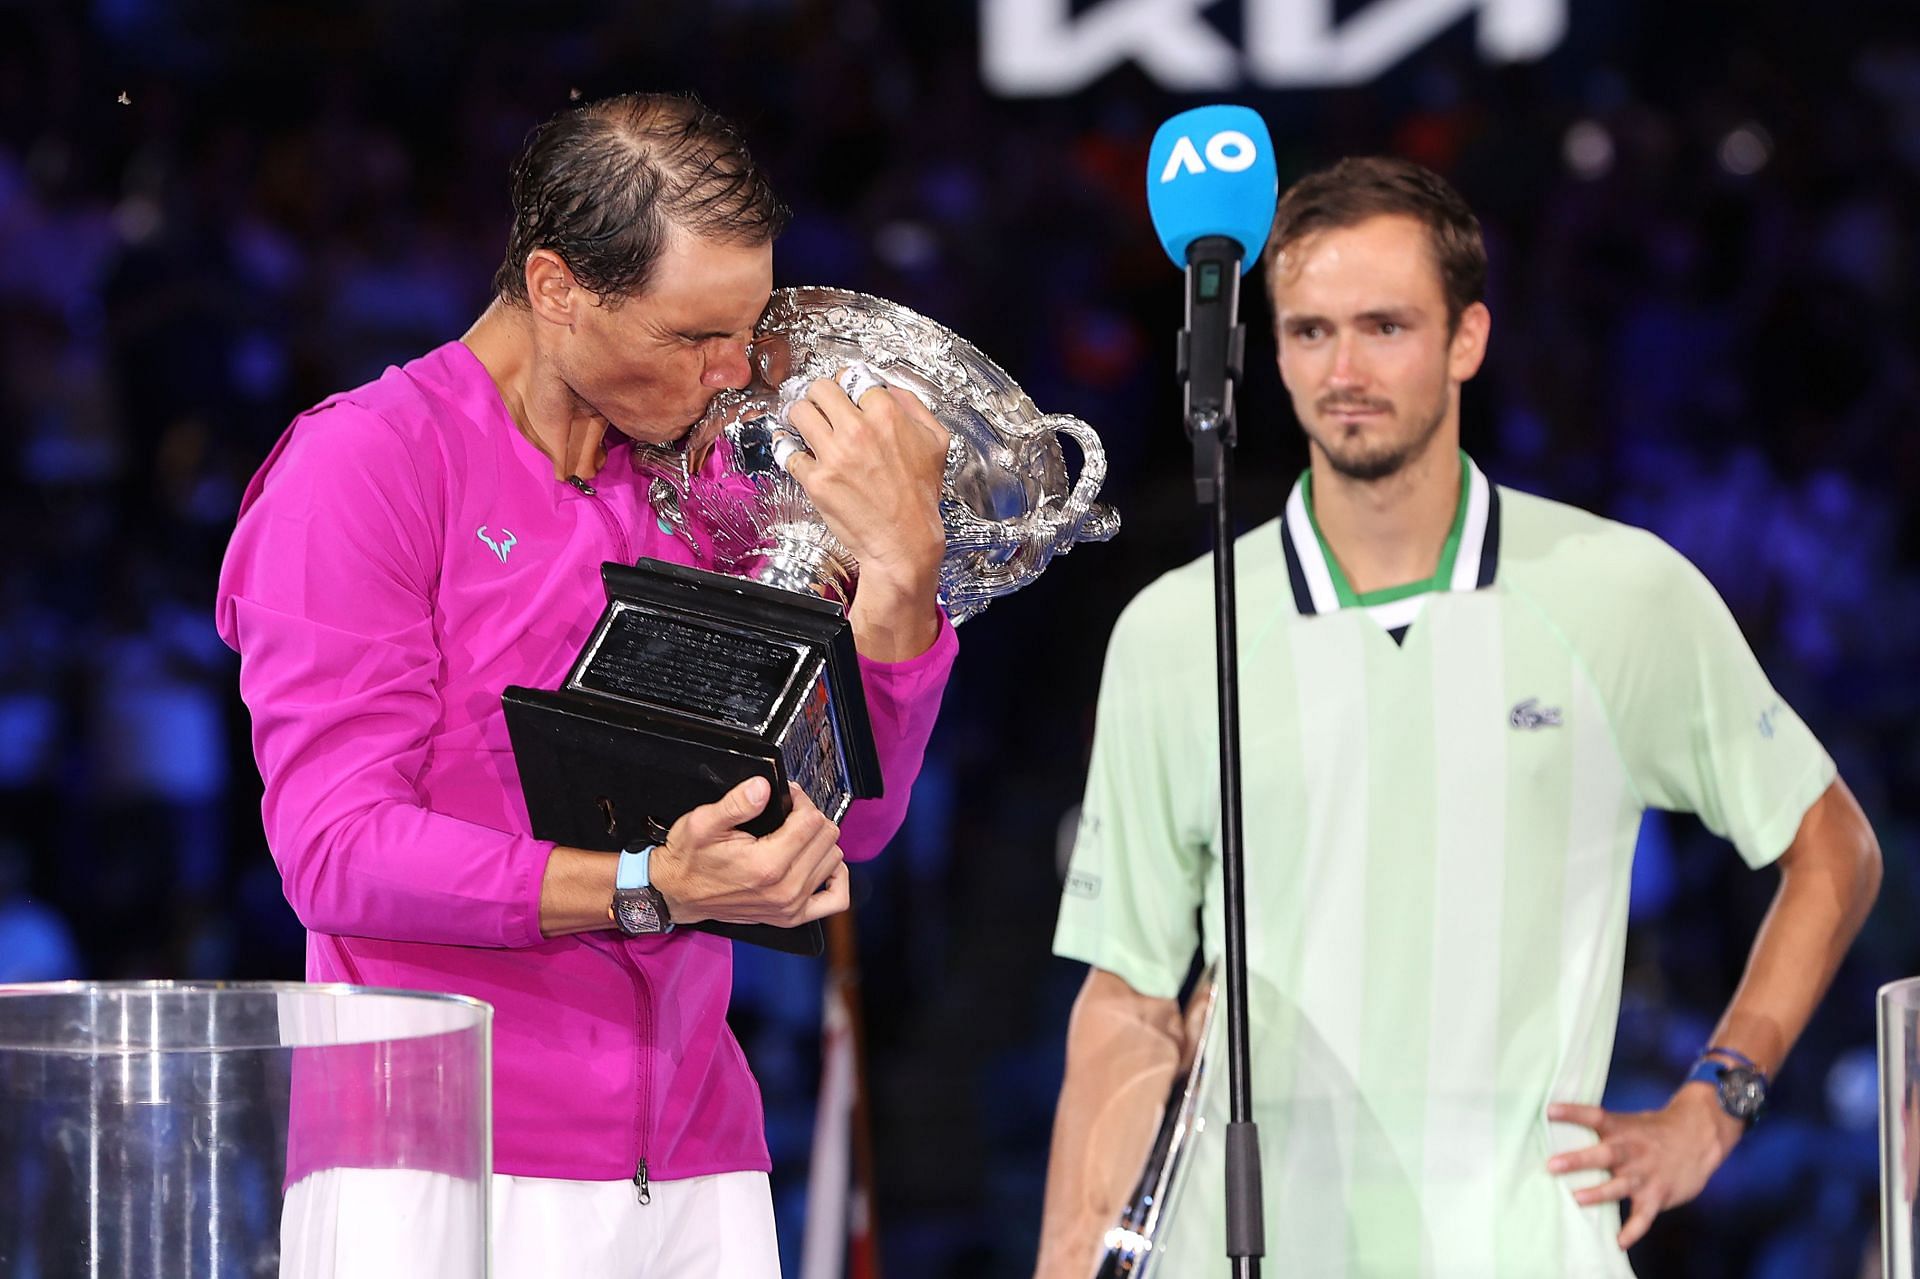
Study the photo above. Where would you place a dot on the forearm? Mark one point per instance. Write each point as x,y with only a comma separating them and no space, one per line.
1122,1053
1829,879
895,614
577,892
903,703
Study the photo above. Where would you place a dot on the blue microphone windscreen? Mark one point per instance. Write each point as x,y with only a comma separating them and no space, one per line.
1211,172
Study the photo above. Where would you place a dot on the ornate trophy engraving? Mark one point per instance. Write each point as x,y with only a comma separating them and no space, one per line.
1006,501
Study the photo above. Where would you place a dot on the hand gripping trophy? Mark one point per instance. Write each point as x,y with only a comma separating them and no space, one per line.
697,678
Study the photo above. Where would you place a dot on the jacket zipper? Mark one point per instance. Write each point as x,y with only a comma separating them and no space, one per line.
642,994
642,1070
599,504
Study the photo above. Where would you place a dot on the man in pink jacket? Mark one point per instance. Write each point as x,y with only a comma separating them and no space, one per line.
415,545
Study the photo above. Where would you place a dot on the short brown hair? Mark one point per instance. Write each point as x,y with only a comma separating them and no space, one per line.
601,184
1362,187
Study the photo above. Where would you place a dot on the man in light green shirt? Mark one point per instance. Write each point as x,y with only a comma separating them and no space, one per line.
1457,700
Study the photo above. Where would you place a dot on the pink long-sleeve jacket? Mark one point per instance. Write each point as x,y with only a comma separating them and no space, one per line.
402,556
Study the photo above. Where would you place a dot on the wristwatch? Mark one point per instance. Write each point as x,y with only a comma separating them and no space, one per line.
638,907
1738,1081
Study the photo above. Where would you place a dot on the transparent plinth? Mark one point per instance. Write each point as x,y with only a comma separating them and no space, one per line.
1899,1127
163,1130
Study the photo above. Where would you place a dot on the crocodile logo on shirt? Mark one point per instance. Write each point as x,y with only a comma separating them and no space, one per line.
1531,715
506,543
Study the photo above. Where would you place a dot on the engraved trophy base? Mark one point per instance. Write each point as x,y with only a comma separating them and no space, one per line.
691,683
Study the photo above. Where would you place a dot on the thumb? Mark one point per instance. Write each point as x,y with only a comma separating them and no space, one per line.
742,803
745,801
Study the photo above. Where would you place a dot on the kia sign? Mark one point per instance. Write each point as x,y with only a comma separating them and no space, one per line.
1042,48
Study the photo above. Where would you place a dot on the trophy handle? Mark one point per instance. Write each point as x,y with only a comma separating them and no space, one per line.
979,568
1090,521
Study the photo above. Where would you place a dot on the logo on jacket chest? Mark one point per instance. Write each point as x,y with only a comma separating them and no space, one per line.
499,546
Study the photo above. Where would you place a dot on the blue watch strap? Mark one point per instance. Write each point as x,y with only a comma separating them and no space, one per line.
1706,1071
1738,1057
1707,1067
634,867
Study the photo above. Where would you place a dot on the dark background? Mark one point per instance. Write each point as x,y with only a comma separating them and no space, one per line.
1702,226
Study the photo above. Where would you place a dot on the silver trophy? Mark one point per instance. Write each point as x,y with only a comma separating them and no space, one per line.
1006,500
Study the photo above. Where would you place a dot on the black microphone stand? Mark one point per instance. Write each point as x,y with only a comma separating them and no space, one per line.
1210,361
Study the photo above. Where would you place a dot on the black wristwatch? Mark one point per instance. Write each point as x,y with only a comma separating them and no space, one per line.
1738,1082
638,907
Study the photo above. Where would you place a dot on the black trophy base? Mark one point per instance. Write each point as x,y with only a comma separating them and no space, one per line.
691,683
599,780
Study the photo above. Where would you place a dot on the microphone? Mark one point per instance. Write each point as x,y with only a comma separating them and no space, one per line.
1211,189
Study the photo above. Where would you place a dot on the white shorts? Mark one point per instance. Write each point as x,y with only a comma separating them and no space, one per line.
359,1223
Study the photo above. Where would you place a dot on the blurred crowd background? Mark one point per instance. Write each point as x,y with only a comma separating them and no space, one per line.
1702,221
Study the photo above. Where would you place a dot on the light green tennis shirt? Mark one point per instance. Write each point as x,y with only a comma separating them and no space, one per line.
1442,789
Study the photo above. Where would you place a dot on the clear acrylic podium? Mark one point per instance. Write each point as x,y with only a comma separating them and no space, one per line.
1899,1127
162,1130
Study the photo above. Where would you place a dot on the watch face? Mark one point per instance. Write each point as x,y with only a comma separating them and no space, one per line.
638,911
1742,1092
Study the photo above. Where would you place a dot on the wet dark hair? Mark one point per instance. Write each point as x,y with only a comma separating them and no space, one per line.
602,183
1362,187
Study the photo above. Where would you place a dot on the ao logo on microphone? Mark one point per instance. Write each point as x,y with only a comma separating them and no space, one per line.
1209,172
1229,151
